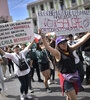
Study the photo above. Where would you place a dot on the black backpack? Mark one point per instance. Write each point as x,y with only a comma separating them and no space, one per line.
22,64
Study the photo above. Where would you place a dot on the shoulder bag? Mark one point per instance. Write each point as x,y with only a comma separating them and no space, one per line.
22,64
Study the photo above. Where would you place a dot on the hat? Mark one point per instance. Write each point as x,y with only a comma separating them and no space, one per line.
60,39
15,46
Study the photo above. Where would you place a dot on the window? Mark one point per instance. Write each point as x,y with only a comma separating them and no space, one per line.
73,1
62,4
42,7
33,10
51,5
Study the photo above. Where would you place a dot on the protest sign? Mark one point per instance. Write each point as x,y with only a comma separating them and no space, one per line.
16,32
64,21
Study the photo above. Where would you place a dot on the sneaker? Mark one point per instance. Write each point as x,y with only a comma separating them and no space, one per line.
28,96
21,97
4,78
49,90
10,75
49,82
31,91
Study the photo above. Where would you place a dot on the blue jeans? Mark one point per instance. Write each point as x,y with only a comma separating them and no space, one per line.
68,86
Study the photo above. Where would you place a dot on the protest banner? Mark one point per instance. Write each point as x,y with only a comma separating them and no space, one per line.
16,32
64,22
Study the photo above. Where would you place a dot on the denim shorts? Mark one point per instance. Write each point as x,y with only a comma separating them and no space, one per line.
67,86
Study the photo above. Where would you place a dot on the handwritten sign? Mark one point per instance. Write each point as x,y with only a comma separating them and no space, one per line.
16,32
64,21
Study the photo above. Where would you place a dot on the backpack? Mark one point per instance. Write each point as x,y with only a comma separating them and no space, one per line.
22,64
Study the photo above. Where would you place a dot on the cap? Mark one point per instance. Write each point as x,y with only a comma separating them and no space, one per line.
60,39
15,46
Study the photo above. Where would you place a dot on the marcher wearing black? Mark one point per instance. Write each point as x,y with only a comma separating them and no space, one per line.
35,65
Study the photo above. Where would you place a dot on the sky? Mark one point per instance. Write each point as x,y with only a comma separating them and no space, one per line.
18,9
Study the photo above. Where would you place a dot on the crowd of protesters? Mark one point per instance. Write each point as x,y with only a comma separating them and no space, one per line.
67,54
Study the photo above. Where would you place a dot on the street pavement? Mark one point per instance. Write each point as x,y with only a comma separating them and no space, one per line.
12,88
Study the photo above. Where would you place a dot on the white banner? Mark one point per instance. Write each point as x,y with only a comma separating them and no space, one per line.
16,32
64,21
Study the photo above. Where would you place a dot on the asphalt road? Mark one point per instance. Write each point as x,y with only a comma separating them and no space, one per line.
12,88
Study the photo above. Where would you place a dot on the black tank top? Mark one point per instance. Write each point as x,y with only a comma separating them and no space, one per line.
66,64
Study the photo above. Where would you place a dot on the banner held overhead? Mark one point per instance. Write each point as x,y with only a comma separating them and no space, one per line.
64,21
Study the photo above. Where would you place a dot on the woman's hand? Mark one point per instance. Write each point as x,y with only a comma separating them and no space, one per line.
41,34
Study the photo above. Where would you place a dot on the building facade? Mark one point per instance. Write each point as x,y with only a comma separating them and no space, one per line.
4,11
41,5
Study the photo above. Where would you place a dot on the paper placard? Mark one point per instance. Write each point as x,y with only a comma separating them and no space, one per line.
64,21
16,32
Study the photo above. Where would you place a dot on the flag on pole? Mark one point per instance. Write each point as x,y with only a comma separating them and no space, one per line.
37,37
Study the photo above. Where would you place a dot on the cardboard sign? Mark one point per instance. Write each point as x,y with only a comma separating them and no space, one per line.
64,21
16,32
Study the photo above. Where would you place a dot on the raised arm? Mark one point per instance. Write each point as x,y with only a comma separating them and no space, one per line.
82,40
54,52
26,50
29,46
6,54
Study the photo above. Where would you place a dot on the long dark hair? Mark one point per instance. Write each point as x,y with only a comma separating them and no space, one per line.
68,50
38,46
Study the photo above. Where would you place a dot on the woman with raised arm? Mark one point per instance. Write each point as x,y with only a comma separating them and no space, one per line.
43,63
22,71
65,62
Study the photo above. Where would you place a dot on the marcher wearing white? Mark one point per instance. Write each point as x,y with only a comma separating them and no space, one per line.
22,75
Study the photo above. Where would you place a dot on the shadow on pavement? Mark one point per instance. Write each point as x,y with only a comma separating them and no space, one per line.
11,97
49,98
87,90
85,98
8,80
56,89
